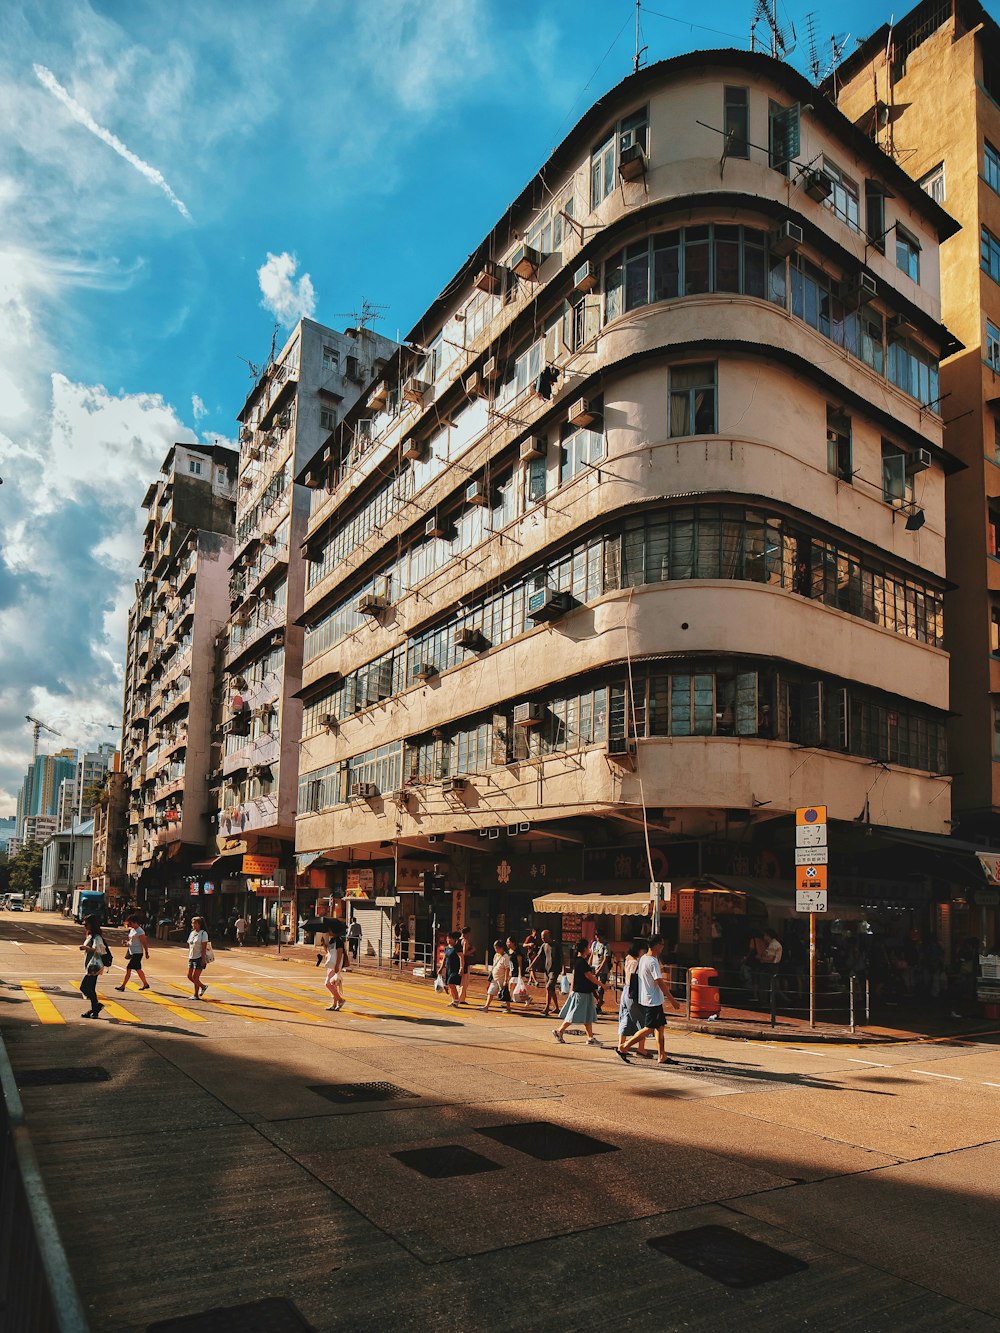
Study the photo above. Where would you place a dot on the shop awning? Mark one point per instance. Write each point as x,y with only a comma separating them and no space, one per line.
595,904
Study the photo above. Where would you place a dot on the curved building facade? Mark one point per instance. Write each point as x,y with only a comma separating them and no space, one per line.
639,544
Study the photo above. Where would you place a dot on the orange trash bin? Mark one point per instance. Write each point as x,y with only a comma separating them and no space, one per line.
705,999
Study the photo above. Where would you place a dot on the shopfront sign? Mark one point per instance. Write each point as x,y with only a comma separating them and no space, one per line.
360,883
260,865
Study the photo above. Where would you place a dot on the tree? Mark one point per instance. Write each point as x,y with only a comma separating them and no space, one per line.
26,869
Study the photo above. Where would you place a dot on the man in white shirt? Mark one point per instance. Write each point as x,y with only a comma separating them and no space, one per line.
653,990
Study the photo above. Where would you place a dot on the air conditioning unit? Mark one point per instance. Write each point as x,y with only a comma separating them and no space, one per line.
414,390
284,420
414,449
474,385
587,277
532,447
246,434
528,714
546,605
372,604
490,278
620,746
818,185
476,494
900,326
269,539
583,413
278,637
330,721
365,791
379,396
423,670
469,637
401,796
454,784
858,290
918,461
631,160
787,239
526,262
436,527
491,369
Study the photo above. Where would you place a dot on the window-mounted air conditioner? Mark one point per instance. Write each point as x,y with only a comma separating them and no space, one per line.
787,239
278,637
528,714
900,326
372,603
620,746
818,185
631,159
414,390
857,290
414,449
424,670
587,277
491,369
490,278
330,721
476,493
436,527
526,262
545,604
401,796
284,420
918,461
365,791
532,447
469,637
583,413
474,385
379,396
454,784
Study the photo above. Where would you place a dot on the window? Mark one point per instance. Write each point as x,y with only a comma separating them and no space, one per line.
991,166
932,183
327,418
535,479
838,444
633,129
692,400
907,254
915,371
897,483
989,254
996,439
736,121
993,345
578,448
875,214
843,196
331,358
689,262
194,467
783,136
993,532
995,631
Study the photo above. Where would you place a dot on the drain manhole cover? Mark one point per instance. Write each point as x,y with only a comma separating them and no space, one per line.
450,1160
47,1078
547,1142
348,1093
273,1315
727,1256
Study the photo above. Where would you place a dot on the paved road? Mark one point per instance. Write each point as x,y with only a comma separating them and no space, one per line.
401,1160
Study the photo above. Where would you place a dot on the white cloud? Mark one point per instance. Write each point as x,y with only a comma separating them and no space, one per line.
79,113
288,300
198,408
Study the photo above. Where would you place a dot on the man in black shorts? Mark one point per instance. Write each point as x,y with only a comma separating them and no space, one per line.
653,990
546,956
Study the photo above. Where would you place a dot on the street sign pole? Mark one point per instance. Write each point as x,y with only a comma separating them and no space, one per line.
811,860
812,969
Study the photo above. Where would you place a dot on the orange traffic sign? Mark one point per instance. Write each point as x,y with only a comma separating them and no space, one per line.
810,814
810,877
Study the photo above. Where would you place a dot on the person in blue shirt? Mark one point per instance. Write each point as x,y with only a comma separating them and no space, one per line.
451,967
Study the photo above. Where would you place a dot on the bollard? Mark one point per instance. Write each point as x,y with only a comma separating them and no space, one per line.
380,955
687,994
851,993
868,1000
774,1001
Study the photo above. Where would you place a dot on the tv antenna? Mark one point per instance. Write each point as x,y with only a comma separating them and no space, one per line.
813,53
370,313
640,51
254,368
782,35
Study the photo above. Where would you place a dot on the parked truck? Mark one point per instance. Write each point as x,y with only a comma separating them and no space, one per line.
89,902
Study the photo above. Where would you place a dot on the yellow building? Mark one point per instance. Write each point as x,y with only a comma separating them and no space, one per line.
638,544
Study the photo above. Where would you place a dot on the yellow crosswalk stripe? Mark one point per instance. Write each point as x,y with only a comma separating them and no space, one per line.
267,1004
45,1010
177,1009
229,1008
115,1010
303,999
371,994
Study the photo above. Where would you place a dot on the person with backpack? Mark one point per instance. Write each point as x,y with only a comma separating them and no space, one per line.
96,957
198,947
137,946
499,978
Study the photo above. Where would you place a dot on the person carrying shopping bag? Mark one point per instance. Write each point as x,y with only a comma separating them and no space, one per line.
580,1007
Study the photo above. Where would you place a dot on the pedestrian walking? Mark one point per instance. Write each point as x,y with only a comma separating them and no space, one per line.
319,944
136,948
545,959
336,966
653,989
580,1007
530,950
518,987
262,931
600,962
629,1020
94,950
197,955
499,983
451,968
354,934
240,926
468,958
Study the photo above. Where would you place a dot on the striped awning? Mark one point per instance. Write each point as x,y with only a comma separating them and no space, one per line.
595,904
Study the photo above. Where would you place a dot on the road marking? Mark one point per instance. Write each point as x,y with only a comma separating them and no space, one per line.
221,1004
930,1074
176,1009
373,996
856,1059
268,1004
991,1085
40,1002
115,1010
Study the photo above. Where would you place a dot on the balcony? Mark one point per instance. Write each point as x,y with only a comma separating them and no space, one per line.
262,622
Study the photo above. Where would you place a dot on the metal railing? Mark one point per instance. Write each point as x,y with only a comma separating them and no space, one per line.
37,1290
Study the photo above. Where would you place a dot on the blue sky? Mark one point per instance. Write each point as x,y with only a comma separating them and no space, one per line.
155,156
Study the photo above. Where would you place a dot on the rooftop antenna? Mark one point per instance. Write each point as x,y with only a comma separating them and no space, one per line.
274,343
640,51
783,38
371,312
811,39
254,368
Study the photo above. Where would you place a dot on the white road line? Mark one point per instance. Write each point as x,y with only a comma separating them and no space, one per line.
856,1059
929,1073
991,1085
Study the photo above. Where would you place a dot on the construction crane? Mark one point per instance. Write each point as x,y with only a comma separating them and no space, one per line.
39,728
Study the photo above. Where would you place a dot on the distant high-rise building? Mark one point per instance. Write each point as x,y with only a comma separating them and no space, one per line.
67,804
91,770
39,794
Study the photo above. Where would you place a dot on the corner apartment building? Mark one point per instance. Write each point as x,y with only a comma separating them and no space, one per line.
181,603
66,859
934,104
641,534
110,820
289,414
